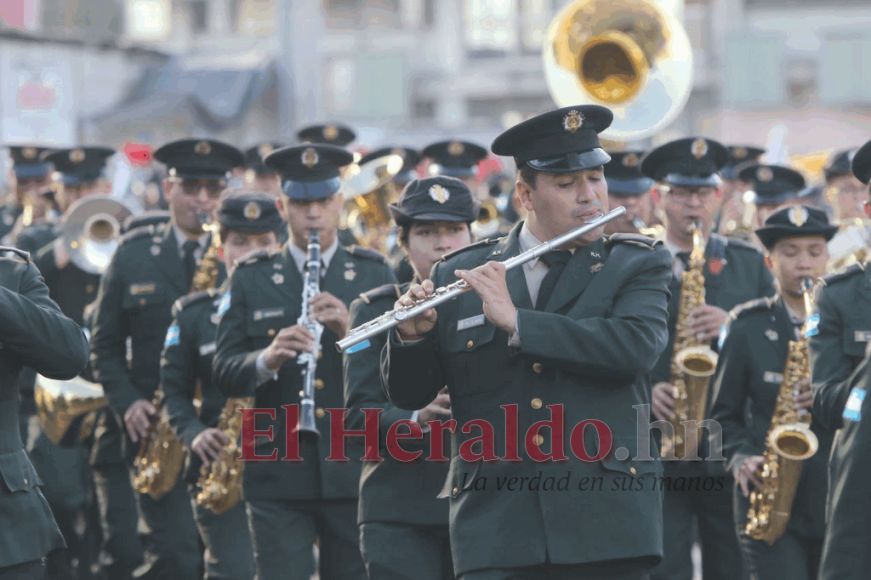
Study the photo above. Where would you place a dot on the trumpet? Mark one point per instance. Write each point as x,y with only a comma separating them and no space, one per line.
395,317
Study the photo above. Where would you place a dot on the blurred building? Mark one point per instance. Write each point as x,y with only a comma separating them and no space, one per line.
783,73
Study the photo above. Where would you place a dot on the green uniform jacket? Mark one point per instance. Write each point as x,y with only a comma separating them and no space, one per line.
143,280
187,358
749,374
845,552
35,334
742,276
837,345
266,296
9,214
590,350
390,490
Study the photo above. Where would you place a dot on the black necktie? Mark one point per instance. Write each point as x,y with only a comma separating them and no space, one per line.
190,260
556,260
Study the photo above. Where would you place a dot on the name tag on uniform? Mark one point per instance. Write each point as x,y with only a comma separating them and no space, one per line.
207,349
772,377
472,322
862,335
853,408
136,289
268,313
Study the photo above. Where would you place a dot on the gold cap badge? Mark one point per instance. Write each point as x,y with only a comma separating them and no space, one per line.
739,153
251,211
439,193
573,121
264,150
77,155
29,152
699,148
764,174
630,160
202,148
456,148
309,157
798,215
331,132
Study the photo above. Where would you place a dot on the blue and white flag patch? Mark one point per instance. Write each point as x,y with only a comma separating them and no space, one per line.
224,304
813,326
853,408
171,336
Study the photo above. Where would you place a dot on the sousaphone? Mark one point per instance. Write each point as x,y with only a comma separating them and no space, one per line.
631,56
368,190
90,231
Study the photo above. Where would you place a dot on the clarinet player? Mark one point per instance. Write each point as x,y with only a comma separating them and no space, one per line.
290,504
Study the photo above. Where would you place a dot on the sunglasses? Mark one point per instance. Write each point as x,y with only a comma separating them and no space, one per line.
214,188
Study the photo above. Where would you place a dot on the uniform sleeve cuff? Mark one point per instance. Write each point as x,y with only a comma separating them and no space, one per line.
264,375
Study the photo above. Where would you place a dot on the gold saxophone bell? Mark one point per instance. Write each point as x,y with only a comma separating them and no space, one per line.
66,410
90,230
631,56
368,190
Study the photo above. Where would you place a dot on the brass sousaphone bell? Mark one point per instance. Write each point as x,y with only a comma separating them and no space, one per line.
65,409
90,231
631,56
368,190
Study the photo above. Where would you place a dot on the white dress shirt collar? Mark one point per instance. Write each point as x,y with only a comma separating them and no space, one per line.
299,255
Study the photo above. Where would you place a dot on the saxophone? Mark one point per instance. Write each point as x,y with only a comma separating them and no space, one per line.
790,441
693,362
161,455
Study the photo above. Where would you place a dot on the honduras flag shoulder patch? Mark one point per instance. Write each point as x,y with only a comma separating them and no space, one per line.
853,408
171,336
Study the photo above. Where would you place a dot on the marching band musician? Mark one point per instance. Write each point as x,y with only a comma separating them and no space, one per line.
248,222
403,525
577,329
731,212
290,504
734,273
153,267
31,180
456,159
332,134
259,177
410,159
837,347
846,196
38,335
773,187
80,173
751,368
627,187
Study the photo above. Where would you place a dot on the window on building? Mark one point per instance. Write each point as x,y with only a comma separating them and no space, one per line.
535,17
423,109
417,14
491,27
362,13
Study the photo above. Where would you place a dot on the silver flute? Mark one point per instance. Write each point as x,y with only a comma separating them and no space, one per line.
395,317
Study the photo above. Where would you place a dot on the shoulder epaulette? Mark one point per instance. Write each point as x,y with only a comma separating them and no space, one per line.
188,300
367,253
741,244
254,257
752,306
137,233
842,274
637,239
380,292
478,244
21,253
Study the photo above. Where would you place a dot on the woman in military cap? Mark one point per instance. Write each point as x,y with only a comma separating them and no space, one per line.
248,223
403,526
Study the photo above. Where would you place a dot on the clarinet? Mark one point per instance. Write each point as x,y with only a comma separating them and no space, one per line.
309,360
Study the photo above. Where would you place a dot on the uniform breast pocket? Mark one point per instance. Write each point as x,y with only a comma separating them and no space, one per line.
147,307
17,473
265,323
474,354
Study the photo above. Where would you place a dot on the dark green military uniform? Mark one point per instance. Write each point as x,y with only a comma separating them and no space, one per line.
187,359
599,335
145,277
404,526
734,273
36,334
749,374
9,214
290,504
264,298
845,552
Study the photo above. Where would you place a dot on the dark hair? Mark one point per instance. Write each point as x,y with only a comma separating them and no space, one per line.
528,174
